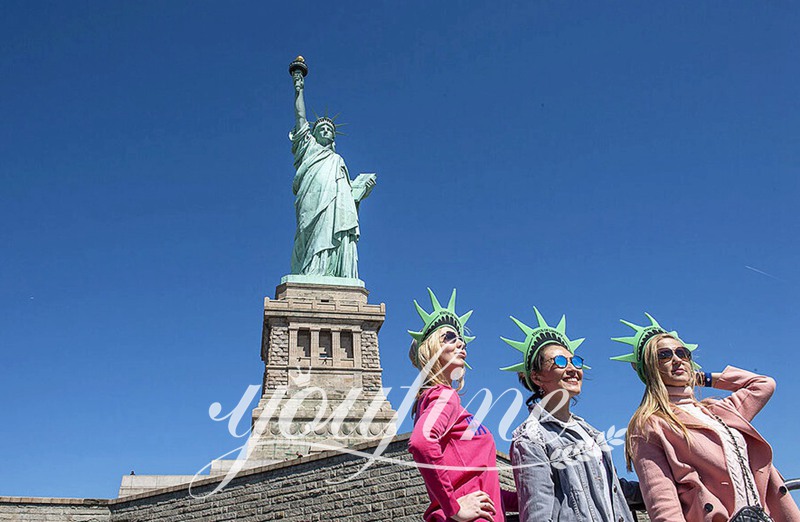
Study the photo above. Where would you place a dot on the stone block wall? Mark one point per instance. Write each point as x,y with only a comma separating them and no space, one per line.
276,345
320,487
371,382
369,347
303,490
24,509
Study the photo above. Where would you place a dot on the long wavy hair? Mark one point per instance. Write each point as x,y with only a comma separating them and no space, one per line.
655,401
428,351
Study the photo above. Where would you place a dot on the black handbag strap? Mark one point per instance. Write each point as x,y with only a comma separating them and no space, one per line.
745,469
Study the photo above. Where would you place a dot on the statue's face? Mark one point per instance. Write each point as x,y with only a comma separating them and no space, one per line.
324,135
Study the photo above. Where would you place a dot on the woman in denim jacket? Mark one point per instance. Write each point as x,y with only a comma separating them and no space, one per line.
562,465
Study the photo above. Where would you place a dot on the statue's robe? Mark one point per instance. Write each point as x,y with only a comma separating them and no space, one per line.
327,217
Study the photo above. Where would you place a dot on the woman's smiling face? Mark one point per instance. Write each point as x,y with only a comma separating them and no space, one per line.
552,378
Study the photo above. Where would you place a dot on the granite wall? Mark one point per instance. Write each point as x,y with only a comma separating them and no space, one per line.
321,487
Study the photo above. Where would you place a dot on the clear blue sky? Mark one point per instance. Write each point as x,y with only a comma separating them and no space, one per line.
593,159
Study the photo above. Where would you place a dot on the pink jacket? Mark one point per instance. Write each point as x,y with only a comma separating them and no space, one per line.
457,456
683,482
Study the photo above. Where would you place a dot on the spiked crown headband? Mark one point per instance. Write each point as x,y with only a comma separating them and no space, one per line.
639,340
535,340
438,318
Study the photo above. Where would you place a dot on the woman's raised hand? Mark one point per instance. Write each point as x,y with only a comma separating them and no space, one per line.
475,505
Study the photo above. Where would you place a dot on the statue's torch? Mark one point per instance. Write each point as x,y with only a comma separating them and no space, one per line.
298,65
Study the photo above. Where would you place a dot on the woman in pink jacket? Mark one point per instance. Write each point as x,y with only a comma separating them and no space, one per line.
699,460
455,455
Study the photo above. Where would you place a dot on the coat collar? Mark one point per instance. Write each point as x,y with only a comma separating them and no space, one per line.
545,417
685,395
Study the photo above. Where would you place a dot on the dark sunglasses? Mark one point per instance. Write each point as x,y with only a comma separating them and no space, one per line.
561,361
451,337
665,354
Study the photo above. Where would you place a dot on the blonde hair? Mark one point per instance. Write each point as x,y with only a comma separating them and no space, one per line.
421,355
655,401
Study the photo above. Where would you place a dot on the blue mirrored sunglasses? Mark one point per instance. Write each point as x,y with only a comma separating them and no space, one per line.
561,361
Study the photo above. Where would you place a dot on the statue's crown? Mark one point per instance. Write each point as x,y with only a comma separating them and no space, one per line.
331,122
324,120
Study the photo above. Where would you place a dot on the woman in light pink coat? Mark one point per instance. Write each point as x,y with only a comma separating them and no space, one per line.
699,460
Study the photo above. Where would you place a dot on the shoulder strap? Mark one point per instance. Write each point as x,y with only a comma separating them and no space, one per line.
745,470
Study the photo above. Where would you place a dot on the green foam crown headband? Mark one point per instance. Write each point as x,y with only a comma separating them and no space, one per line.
639,340
535,340
440,317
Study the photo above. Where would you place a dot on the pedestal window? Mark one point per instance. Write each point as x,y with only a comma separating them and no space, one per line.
346,341
304,342
325,344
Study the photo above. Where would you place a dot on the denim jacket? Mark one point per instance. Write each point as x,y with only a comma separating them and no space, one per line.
557,482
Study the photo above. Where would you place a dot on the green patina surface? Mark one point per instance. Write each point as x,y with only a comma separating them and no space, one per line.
326,199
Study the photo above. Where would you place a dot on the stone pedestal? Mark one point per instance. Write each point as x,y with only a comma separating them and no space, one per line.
320,350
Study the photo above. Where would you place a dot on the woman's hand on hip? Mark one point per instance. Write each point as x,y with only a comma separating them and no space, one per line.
475,505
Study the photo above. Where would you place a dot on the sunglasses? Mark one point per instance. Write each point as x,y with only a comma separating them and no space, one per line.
451,337
665,354
561,361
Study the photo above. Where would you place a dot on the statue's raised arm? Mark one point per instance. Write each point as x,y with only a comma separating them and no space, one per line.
298,70
325,198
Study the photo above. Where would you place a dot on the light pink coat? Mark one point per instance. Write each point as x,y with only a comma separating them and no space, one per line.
683,482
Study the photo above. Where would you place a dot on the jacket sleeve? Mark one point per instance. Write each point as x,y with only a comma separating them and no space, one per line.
632,493
439,409
750,391
657,483
534,480
510,501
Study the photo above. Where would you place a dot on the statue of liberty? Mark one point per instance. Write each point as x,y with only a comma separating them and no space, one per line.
326,200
